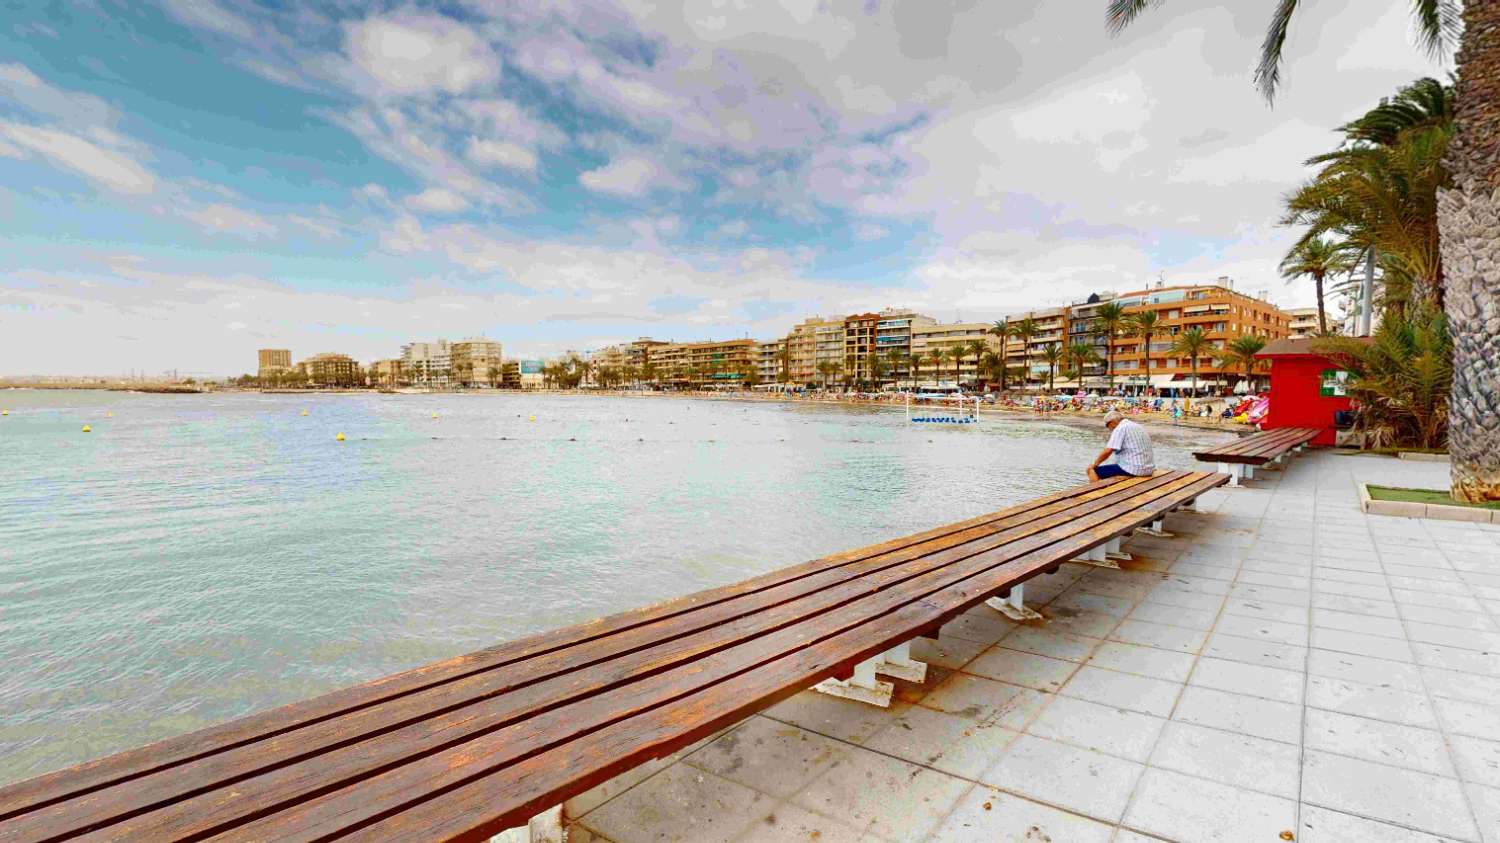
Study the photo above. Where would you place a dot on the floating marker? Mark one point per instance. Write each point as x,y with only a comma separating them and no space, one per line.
4,412
304,412
87,429
339,438
109,414
434,414
531,418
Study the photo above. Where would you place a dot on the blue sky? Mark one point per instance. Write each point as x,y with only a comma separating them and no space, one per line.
185,181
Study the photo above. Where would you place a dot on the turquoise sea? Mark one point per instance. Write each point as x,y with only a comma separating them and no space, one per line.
199,557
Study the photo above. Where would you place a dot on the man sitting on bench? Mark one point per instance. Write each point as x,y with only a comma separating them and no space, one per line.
1131,446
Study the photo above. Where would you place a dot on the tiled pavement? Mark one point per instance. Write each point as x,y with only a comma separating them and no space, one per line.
1286,665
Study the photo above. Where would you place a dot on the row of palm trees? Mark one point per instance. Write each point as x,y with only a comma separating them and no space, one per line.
1413,190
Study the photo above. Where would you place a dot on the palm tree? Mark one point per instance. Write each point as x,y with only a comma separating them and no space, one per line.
784,359
1240,352
1191,344
1054,355
1144,325
1317,258
976,349
1002,329
879,367
1081,354
1110,320
1468,216
936,357
1023,330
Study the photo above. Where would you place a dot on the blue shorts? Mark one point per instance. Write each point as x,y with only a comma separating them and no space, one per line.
1111,470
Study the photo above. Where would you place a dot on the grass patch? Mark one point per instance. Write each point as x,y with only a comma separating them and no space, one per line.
1393,493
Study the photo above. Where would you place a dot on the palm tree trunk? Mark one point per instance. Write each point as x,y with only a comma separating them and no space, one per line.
1322,314
1469,234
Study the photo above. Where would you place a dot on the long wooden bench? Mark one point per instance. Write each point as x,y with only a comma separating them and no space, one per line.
464,748
1241,457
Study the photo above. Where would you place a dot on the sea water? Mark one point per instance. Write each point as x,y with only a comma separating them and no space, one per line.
195,558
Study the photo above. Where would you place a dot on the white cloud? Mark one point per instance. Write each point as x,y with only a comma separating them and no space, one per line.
419,53
1275,158
502,153
20,85
438,200
227,219
113,170
630,175
870,231
208,14
736,228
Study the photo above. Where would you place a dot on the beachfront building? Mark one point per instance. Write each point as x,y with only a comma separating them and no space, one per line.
942,337
274,363
475,362
1222,313
859,344
522,374
387,373
893,334
815,345
1083,330
768,361
330,369
1304,322
719,364
428,364
1025,357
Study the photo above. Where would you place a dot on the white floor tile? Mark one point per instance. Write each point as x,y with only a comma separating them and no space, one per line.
1404,797
1180,807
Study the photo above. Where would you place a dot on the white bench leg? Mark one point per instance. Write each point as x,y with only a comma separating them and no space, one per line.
546,827
1234,470
1014,606
1249,472
1189,506
1157,528
897,662
1099,556
1113,550
862,686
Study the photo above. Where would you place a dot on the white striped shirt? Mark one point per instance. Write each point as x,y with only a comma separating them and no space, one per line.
1132,447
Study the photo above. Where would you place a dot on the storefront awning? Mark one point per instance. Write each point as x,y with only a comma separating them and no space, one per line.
1160,381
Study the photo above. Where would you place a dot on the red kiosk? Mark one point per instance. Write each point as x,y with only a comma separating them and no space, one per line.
1306,388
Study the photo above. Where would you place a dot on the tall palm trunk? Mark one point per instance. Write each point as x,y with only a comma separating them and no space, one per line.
1469,229
1322,313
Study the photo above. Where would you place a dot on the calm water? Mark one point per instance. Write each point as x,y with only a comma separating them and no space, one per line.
196,558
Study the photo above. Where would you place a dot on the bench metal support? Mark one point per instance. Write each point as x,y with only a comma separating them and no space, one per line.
1013,605
1113,550
546,827
1234,470
1157,528
1099,556
862,686
1189,505
898,663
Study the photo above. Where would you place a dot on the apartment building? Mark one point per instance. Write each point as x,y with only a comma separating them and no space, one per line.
1223,314
428,364
768,360
1303,322
1051,328
859,344
273,362
893,339
941,337
385,373
475,362
330,369
813,342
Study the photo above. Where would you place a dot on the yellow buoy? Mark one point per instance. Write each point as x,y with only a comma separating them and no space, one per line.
304,412
4,412
87,429
434,415
109,414
339,438
531,418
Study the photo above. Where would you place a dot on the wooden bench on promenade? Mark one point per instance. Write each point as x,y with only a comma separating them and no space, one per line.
464,748
1241,457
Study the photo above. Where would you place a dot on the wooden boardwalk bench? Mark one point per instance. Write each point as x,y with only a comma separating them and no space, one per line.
464,748
1241,457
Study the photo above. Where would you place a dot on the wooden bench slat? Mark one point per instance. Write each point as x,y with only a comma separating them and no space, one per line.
1260,448
54,787
474,794
893,567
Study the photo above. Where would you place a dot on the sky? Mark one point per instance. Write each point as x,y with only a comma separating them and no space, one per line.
185,181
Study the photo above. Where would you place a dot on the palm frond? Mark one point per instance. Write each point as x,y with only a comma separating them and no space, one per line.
1122,13
1439,24
1268,72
